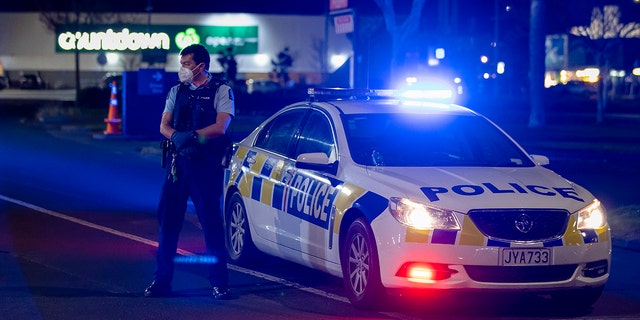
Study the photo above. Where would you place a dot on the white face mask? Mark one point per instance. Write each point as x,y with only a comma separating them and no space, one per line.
186,75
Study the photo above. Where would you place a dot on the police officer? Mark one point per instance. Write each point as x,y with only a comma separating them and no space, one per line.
196,116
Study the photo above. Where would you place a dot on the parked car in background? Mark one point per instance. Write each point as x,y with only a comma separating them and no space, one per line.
30,81
576,88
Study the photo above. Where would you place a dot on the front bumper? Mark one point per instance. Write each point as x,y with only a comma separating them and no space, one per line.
478,266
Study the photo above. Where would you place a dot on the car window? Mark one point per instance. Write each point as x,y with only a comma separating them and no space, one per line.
419,140
278,135
316,136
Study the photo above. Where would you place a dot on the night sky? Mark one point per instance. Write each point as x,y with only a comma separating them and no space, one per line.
559,11
176,6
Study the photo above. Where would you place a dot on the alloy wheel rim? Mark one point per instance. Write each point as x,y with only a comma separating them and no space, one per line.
359,262
237,229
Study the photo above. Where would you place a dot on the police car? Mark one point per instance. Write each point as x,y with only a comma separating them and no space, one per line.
394,193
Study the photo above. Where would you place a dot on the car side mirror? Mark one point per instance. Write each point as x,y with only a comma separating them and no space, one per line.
318,161
540,160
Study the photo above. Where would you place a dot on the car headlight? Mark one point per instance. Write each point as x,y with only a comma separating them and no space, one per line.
592,216
421,216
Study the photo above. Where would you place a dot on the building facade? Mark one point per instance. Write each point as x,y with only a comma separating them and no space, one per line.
28,46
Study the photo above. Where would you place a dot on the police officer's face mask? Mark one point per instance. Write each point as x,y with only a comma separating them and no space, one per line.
186,75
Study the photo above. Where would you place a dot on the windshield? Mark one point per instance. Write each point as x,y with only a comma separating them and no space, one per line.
426,140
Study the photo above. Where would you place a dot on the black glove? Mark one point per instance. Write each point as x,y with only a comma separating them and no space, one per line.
182,139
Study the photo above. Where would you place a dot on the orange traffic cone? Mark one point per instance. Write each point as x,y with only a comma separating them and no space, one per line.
113,122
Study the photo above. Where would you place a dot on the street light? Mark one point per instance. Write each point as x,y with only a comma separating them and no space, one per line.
500,67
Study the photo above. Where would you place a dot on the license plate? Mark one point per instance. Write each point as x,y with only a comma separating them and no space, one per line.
525,257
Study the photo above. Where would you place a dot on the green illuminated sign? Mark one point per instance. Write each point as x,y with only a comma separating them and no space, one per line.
131,38
186,38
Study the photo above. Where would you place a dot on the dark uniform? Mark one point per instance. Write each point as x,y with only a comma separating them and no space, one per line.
194,172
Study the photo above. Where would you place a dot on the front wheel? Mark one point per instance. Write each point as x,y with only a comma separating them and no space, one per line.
360,266
240,247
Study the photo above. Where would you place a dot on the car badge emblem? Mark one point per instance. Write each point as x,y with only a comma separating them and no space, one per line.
524,223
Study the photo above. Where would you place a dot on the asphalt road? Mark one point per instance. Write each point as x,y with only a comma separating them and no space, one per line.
78,236
78,232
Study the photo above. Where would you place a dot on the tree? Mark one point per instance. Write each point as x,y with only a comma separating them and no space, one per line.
604,34
402,34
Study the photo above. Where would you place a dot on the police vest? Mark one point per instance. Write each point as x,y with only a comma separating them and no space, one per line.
195,109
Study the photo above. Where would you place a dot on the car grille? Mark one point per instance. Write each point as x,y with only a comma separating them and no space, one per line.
520,274
521,224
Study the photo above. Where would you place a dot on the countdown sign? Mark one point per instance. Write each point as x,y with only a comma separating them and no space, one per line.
132,38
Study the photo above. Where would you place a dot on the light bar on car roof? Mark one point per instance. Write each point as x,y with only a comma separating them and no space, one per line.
348,93
366,94
338,93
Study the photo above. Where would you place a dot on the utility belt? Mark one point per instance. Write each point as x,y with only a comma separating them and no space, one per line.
219,149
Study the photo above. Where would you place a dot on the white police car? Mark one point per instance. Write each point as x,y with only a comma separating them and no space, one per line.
396,194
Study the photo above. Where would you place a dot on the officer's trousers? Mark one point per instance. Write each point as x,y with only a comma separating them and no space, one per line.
200,179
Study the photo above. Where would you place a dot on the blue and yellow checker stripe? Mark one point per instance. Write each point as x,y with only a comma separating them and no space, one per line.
271,191
369,203
267,191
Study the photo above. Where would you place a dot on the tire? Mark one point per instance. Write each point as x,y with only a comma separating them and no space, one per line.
361,267
240,247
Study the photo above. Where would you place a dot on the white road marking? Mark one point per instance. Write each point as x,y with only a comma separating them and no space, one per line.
180,251
146,241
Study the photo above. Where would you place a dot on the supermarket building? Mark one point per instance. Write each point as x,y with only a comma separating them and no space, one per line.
28,46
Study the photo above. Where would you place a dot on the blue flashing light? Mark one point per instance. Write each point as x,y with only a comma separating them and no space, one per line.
431,94
429,89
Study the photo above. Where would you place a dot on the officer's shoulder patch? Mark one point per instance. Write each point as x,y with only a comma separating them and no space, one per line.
230,94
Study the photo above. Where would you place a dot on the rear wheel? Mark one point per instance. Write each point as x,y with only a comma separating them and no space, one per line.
240,247
360,266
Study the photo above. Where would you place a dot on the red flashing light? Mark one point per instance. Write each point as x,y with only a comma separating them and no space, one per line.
424,272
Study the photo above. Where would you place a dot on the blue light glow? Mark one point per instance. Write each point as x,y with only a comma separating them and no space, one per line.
196,259
437,94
